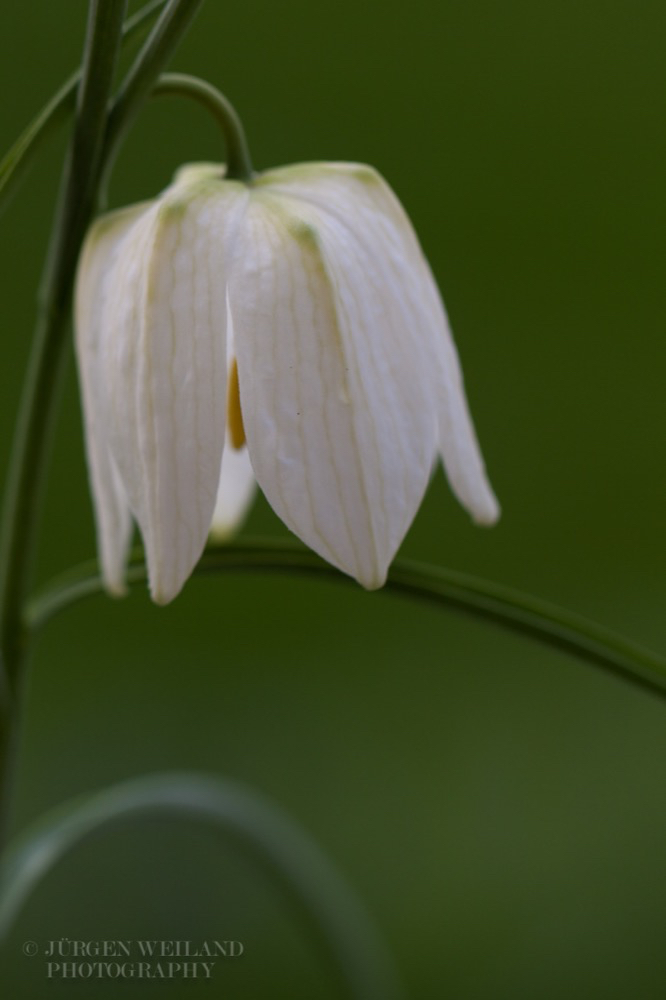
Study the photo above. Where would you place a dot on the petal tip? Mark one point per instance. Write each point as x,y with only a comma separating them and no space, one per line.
161,596
488,512
164,591
374,580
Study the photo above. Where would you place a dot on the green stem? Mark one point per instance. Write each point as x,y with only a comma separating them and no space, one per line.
16,161
78,196
73,213
331,911
239,164
28,459
444,588
150,62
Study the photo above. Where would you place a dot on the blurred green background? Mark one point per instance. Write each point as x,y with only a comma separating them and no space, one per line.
500,807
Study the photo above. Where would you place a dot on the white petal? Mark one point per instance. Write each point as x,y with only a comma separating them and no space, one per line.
237,483
341,188
164,351
235,494
458,444
112,513
337,405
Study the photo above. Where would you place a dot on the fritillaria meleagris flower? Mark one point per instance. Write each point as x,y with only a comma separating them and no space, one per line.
287,331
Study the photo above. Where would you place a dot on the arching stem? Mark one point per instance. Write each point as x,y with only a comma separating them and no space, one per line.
444,588
334,918
239,164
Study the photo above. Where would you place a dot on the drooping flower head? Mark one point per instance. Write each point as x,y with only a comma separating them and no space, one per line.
288,330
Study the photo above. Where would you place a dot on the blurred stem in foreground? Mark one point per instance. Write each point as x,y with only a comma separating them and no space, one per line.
332,916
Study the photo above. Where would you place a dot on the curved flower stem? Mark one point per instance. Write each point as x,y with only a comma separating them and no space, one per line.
16,161
333,914
444,588
239,164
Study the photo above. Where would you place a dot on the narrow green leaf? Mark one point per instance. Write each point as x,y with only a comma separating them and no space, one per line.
332,914
160,45
14,164
445,588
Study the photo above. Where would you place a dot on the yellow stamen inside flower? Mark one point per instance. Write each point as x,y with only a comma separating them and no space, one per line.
234,413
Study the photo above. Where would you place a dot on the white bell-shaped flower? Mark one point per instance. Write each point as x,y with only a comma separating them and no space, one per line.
288,330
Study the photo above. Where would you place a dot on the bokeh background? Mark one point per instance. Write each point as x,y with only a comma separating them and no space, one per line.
499,806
